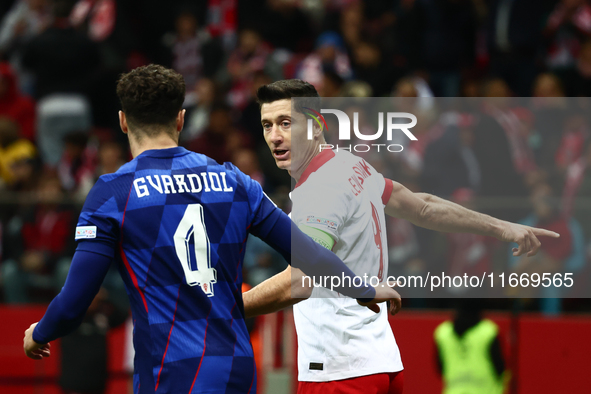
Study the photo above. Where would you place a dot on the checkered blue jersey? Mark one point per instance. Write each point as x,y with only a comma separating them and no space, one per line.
176,223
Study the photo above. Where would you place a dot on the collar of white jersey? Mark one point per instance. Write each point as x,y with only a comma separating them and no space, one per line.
318,161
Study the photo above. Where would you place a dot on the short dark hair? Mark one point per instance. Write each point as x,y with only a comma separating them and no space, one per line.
151,96
288,89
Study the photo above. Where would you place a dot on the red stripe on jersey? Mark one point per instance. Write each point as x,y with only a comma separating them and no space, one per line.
254,372
318,161
168,340
203,353
133,278
387,191
124,258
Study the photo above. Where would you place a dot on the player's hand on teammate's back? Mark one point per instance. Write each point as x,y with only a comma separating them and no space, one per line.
384,293
35,350
526,237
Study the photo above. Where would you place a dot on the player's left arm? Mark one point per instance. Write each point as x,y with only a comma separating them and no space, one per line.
434,213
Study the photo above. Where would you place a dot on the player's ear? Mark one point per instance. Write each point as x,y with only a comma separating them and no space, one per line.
180,120
317,130
123,122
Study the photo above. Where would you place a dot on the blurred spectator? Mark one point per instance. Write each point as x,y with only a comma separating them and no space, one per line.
577,81
220,138
185,46
198,104
64,63
38,245
249,57
286,26
550,114
356,89
501,150
574,135
469,354
247,162
76,168
445,32
369,66
105,22
330,54
13,152
577,188
250,116
514,38
14,105
84,352
222,21
414,86
25,20
449,161
567,27
111,156
351,20
331,85
547,85
62,59
564,254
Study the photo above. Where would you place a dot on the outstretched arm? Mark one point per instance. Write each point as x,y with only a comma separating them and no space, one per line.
276,293
434,213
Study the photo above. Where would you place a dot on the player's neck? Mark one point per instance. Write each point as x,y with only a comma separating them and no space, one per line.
311,152
161,141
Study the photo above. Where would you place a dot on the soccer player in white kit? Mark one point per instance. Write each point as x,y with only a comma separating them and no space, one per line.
340,200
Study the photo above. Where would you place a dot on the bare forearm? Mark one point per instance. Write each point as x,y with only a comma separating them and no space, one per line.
443,215
274,294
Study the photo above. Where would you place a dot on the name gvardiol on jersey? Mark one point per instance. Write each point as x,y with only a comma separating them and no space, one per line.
182,183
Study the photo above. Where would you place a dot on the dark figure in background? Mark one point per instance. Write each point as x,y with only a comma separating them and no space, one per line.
513,34
469,354
65,64
62,59
444,32
84,352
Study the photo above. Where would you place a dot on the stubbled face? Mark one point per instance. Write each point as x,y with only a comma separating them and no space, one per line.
284,130
277,122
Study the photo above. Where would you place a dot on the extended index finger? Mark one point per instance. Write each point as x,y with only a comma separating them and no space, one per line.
544,233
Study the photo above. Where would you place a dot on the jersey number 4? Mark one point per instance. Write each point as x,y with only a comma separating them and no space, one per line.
193,249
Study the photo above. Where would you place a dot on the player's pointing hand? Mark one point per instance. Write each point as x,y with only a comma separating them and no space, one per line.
526,237
35,350
385,292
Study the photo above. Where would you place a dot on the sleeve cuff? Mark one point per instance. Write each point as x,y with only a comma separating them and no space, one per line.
38,338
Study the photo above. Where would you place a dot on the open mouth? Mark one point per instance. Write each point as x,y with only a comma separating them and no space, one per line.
280,154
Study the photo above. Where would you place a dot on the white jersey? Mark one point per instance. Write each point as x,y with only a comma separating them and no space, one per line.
337,338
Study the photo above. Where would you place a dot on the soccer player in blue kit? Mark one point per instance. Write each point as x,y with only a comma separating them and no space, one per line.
176,222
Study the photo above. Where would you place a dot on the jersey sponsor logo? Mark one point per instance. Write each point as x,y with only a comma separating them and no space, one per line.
84,232
331,224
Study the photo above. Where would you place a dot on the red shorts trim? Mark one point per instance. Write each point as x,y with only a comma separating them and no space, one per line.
381,383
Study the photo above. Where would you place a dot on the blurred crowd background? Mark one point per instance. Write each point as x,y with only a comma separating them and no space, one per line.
527,162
